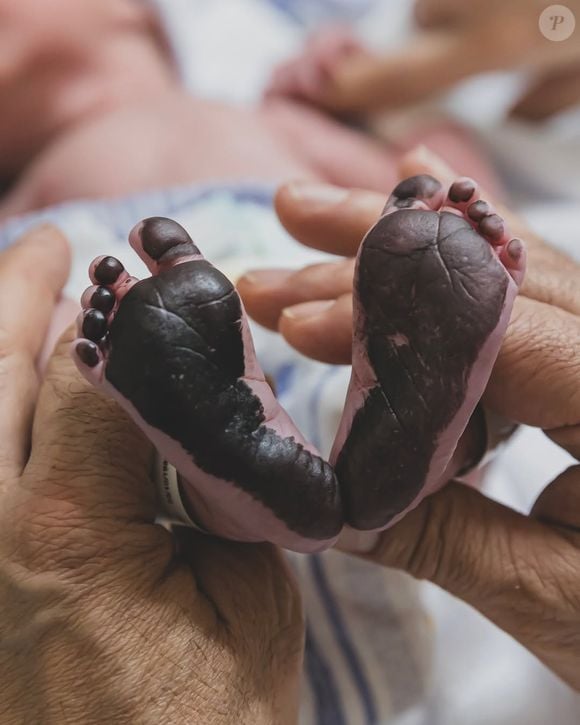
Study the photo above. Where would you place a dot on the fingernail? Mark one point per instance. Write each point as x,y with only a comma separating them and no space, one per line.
307,310
315,194
266,277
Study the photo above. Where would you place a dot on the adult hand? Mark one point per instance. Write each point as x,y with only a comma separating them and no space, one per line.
106,616
521,572
456,40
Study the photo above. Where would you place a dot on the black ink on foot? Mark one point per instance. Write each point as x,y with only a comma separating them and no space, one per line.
108,271
413,189
165,240
430,292
88,353
103,300
462,191
94,325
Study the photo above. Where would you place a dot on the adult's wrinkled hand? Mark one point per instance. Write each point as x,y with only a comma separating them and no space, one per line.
455,40
106,616
522,572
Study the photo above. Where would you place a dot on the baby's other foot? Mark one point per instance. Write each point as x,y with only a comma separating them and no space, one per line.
435,284
176,352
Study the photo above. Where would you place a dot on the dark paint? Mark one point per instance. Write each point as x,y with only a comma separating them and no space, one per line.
103,300
462,191
431,280
108,271
492,226
176,353
94,325
478,210
88,353
165,240
417,187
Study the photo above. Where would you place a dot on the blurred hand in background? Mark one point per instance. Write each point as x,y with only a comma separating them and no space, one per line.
456,40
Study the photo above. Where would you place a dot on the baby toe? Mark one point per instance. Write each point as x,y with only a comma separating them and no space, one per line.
478,210
93,325
492,227
418,192
462,192
99,298
514,256
162,243
87,353
107,271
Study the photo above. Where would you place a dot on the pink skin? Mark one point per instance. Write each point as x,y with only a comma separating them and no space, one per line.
109,91
218,506
228,511
511,254
308,75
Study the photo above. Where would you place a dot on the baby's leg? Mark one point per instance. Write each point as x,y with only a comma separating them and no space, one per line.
435,284
175,351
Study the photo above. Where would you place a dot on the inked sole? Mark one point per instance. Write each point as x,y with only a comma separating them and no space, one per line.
432,304
178,355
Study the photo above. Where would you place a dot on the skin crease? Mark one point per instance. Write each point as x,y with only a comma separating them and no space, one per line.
522,572
104,615
457,40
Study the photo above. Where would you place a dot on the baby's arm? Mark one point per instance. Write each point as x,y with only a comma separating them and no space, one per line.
454,44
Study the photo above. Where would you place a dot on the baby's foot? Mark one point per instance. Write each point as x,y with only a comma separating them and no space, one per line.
175,351
435,284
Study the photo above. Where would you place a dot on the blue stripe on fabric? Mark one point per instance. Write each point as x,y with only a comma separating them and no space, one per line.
283,378
344,640
328,702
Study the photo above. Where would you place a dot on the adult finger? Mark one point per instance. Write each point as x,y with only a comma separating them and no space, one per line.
88,474
32,274
559,504
336,220
267,293
327,217
536,379
321,330
433,62
518,572
434,13
553,93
